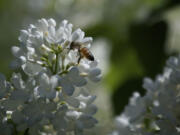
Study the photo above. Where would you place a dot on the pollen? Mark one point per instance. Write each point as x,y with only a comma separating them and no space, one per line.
46,33
83,74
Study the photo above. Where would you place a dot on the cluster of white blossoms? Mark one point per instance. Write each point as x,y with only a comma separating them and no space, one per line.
158,111
51,97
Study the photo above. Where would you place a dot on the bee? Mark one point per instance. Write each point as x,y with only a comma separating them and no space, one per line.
83,51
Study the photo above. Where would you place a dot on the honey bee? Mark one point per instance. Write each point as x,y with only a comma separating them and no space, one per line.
83,51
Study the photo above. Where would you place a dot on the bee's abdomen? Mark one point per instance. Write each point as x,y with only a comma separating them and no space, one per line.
87,54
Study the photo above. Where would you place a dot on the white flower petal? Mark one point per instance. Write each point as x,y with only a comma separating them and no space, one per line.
16,51
23,36
52,31
77,35
31,68
95,72
90,110
67,87
54,81
42,24
87,40
72,101
52,22
88,121
73,114
17,81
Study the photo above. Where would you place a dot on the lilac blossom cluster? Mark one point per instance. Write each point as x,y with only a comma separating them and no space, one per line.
158,111
50,97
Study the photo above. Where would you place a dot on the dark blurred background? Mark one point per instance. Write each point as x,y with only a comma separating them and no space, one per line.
132,39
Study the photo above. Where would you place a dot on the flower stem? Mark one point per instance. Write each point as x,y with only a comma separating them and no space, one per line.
56,63
50,65
63,58
63,72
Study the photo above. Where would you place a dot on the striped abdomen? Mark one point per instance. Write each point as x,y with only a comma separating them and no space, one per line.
86,53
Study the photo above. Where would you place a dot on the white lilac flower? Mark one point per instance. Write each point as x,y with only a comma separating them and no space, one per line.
46,86
45,48
50,97
34,112
44,43
72,79
81,117
157,112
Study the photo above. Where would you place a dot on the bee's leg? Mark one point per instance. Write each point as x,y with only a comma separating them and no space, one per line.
80,57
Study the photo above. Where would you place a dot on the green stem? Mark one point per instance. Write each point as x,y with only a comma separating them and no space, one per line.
50,65
56,64
63,72
63,58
